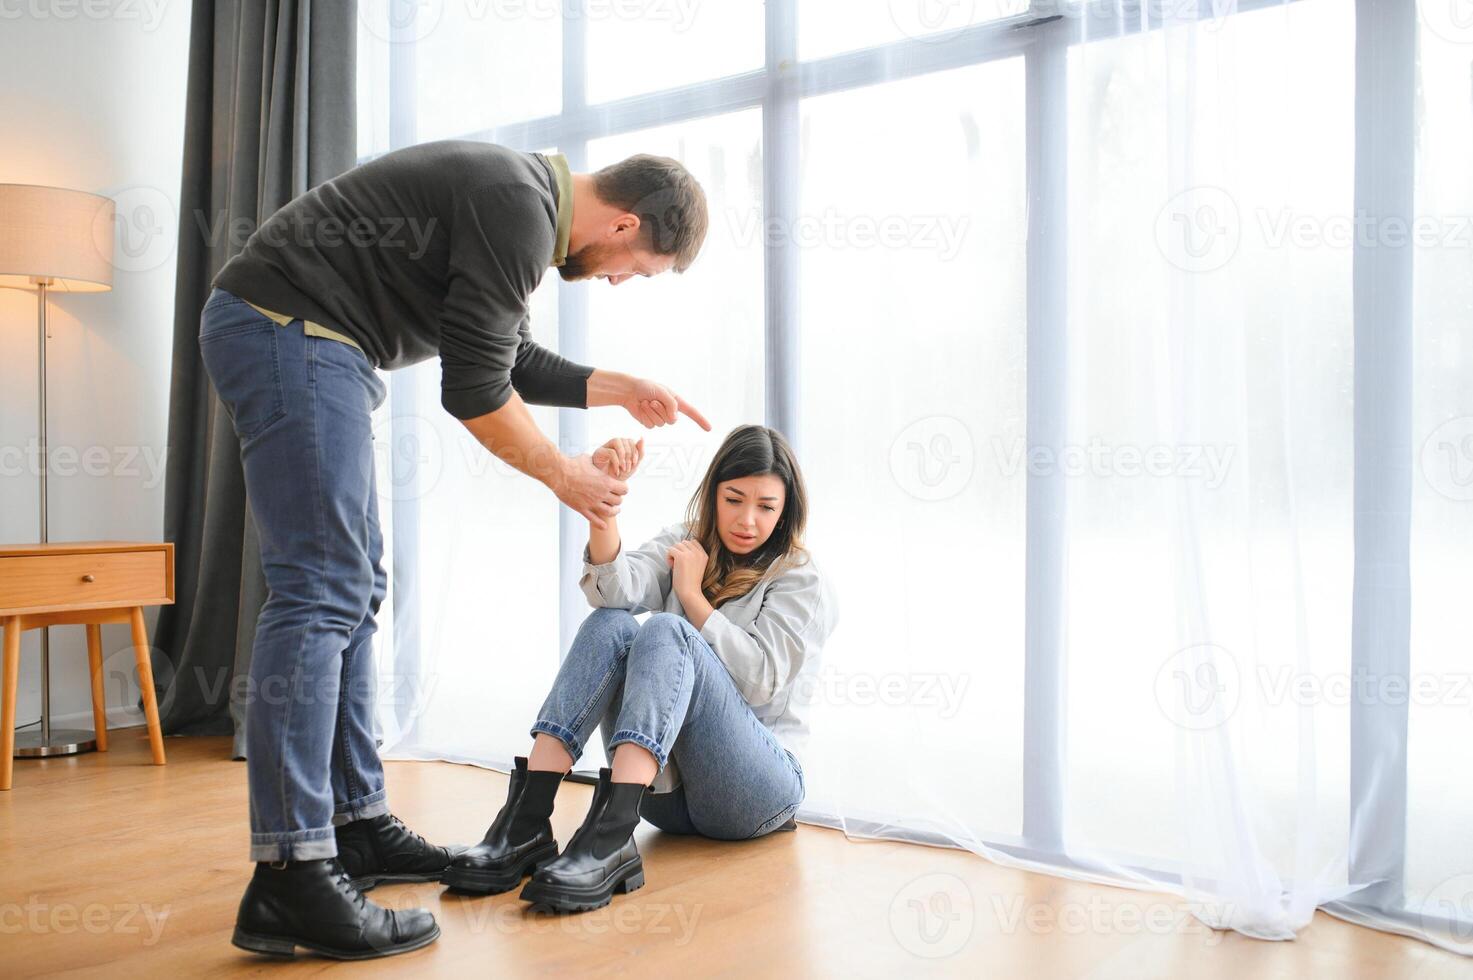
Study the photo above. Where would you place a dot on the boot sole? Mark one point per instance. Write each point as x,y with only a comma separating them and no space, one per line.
370,882
285,947
625,880
481,882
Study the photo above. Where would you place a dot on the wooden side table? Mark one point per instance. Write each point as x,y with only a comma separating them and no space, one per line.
85,583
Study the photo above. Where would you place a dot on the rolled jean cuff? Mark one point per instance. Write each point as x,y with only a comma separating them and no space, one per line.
299,845
643,741
564,735
373,805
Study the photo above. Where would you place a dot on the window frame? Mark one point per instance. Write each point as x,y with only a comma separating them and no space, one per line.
1042,36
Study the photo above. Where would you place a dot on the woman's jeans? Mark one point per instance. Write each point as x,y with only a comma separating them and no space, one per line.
662,687
301,408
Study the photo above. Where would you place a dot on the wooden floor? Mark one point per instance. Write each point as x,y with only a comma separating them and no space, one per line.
112,866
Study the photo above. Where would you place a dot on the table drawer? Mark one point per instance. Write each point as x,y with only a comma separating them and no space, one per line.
78,581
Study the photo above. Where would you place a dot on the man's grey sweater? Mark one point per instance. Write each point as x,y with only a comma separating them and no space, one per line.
433,249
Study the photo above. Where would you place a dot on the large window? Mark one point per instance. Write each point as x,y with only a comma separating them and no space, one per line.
987,264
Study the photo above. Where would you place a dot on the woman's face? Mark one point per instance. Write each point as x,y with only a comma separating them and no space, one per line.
747,510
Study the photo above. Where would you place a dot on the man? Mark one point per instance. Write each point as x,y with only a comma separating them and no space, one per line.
430,250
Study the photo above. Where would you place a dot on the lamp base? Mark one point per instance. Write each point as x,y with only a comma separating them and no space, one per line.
64,741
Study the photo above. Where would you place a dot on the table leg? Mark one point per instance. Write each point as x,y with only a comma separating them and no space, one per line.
145,683
99,695
11,680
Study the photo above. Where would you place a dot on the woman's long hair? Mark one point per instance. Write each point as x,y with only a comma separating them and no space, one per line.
749,450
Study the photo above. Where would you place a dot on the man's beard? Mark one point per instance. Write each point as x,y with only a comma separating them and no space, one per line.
579,265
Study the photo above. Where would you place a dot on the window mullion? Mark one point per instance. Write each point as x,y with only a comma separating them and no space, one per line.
1044,715
780,196
572,333
1385,157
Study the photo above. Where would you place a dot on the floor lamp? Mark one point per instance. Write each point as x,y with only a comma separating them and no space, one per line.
53,239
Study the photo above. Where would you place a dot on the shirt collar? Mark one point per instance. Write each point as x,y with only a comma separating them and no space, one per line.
564,206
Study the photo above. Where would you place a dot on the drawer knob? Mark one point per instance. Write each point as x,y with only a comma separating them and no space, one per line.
89,578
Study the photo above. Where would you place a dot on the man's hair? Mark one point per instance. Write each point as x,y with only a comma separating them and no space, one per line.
670,204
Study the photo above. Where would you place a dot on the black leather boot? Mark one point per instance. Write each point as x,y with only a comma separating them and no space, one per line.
381,850
313,904
519,840
600,859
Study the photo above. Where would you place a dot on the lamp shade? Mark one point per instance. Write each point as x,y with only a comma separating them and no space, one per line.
63,236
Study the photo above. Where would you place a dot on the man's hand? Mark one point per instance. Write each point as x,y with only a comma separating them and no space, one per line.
589,490
687,567
650,403
619,458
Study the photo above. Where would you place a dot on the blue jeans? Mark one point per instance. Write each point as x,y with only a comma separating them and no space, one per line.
662,687
300,406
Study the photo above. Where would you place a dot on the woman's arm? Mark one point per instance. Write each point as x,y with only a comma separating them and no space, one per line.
798,613
619,458
636,580
603,543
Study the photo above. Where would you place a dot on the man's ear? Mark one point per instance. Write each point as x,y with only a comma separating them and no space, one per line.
625,224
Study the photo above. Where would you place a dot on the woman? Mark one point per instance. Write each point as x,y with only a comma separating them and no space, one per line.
698,700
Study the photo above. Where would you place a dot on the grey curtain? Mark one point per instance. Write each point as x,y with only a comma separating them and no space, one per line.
270,113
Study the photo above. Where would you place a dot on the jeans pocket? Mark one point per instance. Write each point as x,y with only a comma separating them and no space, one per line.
243,359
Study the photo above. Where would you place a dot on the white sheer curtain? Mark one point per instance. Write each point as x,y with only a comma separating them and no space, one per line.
1127,351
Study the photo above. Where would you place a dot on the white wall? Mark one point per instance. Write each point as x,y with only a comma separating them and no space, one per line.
92,98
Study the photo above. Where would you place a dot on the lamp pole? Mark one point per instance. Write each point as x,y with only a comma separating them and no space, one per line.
41,285
62,741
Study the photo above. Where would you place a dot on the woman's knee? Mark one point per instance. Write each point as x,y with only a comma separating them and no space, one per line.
663,623
606,621
605,630
664,631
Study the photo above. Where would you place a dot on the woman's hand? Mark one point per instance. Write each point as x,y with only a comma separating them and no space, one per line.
619,458
687,567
